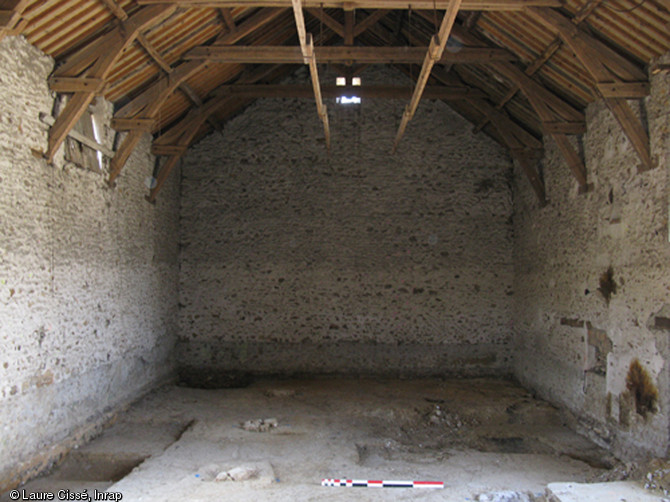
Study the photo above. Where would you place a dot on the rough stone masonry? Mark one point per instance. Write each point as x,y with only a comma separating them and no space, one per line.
88,279
358,261
592,279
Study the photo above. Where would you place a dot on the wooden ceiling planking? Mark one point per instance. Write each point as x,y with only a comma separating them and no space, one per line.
177,31
618,28
64,23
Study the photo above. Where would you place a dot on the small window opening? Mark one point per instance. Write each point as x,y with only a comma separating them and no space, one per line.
343,82
78,152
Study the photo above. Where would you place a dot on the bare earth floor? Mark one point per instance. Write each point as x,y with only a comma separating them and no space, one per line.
478,436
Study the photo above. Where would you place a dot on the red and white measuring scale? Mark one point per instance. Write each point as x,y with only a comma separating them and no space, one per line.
372,483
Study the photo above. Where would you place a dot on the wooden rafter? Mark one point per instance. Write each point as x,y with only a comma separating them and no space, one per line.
608,69
435,50
90,64
175,142
545,56
506,5
557,117
307,47
10,16
328,20
367,23
148,104
342,54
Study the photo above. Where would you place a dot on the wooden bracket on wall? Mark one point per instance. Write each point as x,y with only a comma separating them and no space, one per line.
616,78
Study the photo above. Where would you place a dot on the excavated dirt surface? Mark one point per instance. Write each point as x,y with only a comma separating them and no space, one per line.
280,438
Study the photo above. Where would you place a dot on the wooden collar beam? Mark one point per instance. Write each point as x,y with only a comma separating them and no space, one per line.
342,54
433,55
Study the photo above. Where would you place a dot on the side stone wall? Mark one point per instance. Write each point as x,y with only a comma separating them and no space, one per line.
592,282
88,279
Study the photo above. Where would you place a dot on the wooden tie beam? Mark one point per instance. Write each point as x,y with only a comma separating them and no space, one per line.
435,50
448,93
307,47
342,54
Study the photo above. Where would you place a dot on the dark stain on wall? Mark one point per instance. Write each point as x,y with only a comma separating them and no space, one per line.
608,285
641,387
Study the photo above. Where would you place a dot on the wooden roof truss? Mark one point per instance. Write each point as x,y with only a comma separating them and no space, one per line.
179,68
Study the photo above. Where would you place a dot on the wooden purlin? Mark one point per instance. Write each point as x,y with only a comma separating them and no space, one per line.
148,104
606,67
98,65
10,16
307,47
435,50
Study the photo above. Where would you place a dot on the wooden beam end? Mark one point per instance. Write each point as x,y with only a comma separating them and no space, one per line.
643,168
